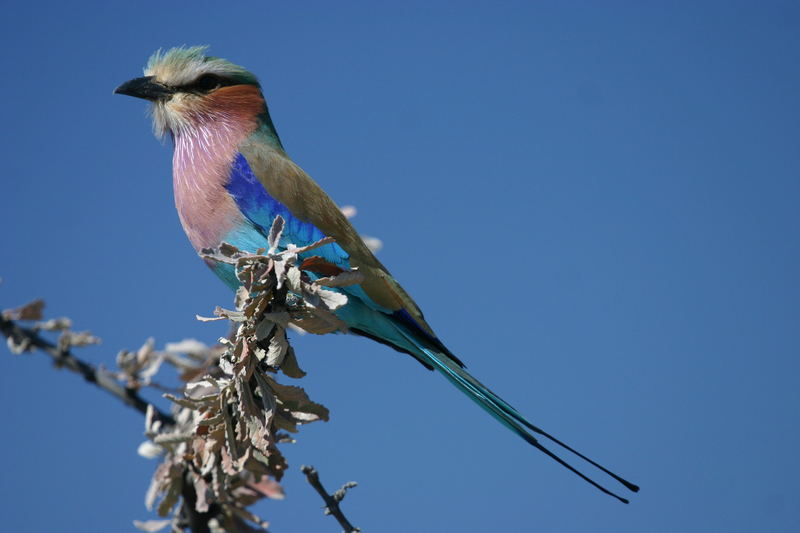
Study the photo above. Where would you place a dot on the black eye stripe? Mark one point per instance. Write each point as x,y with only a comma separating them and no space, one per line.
207,83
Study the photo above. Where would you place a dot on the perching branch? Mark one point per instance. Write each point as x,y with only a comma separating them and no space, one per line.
26,339
219,447
22,339
198,522
331,500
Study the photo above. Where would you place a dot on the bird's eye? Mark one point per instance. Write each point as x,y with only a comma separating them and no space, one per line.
206,83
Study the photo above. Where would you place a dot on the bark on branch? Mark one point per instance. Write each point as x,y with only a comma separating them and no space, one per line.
331,500
30,338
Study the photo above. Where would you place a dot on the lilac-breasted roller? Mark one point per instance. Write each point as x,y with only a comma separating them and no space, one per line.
232,178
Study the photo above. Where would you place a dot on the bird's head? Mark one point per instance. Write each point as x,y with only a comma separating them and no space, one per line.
189,89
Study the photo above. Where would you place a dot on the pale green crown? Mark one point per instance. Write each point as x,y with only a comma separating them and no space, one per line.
184,64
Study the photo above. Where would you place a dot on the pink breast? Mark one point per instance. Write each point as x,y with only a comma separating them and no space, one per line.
201,164
211,130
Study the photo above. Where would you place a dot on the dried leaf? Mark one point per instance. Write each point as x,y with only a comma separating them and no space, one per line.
209,318
204,390
161,479
166,439
230,432
277,348
290,367
333,300
141,366
242,295
29,311
237,522
67,339
152,424
279,317
18,346
228,250
350,277
54,324
216,257
269,488
279,266
264,329
275,232
256,421
228,465
148,450
314,322
187,346
151,526
349,211
373,243
294,250
318,265
267,395
172,493
201,490
234,316
294,279
296,400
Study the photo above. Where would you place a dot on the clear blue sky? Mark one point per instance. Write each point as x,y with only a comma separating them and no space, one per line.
597,208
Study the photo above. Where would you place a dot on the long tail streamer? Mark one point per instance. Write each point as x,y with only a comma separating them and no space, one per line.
510,417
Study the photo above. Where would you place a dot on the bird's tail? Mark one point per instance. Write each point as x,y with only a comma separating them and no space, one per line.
505,413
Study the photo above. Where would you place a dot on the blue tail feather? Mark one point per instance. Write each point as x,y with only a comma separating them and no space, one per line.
500,409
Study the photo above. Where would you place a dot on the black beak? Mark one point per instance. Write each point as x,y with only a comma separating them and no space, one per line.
145,88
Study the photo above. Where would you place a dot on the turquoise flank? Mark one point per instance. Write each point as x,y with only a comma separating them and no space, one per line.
226,273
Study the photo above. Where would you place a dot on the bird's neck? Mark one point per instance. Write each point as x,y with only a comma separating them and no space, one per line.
204,150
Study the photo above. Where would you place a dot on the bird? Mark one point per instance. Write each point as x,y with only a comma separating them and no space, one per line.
232,178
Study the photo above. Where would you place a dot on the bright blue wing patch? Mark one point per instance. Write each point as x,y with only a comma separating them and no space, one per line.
261,209
255,202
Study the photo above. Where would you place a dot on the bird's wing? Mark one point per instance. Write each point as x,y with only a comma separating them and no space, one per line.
310,215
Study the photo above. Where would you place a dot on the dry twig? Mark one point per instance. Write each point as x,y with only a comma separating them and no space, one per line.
331,500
